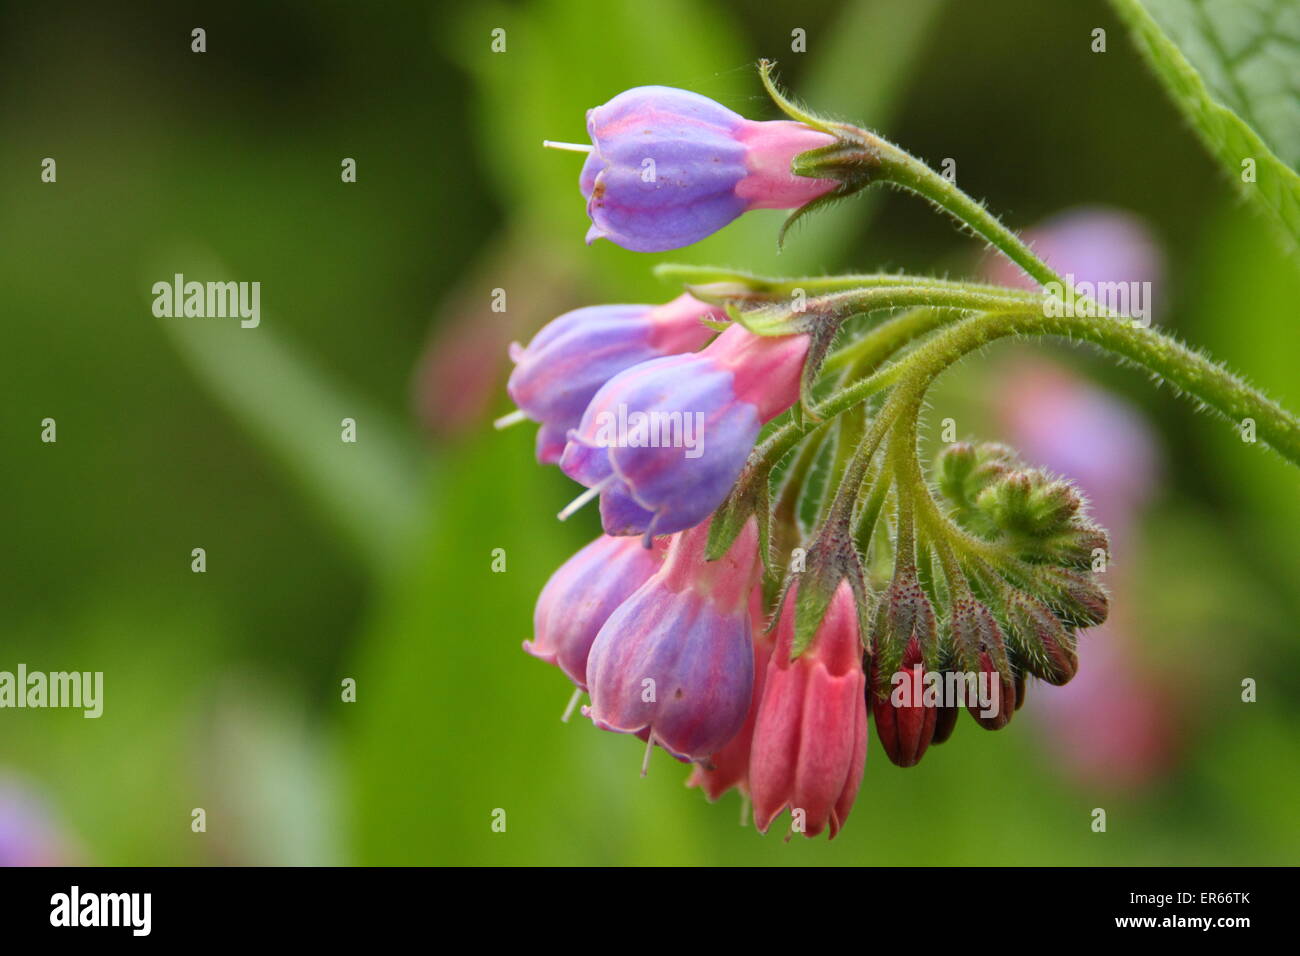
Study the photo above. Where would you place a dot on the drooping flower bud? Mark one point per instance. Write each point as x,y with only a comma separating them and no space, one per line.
1043,644
945,719
982,654
1085,433
903,616
669,167
905,723
664,441
572,356
904,642
582,594
1040,518
1078,545
953,466
675,659
729,767
810,738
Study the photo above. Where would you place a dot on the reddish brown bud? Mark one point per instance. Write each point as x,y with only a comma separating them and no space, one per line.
904,616
904,721
945,722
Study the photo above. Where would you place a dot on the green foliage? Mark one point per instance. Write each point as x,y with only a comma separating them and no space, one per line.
223,688
1233,66
371,491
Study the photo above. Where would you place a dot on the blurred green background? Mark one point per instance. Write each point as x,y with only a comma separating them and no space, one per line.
373,561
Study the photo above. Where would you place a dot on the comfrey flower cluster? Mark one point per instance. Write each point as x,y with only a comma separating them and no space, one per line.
777,568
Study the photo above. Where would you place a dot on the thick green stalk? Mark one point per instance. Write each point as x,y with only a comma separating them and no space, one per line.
1173,362
783,318
866,354
711,280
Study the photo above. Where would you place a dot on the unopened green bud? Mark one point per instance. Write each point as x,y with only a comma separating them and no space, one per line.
1041,641
1026,504
952,469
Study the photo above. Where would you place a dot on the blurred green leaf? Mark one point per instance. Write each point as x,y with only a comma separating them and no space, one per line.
369,490
1232,67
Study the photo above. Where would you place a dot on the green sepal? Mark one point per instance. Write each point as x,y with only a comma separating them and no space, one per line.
820,340
788,107
689,275
724,293
831,560
851,160
842,191
750,498
770,320
904,612
816,588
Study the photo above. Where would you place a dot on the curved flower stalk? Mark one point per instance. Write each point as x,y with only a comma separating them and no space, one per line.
904,595
1092,245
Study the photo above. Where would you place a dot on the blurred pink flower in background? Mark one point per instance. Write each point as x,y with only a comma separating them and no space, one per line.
1094,244
1061,422
1114,725
459,377
29,834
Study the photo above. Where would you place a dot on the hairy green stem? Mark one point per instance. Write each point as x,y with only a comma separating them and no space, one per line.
781,318
906,171
866,354
711,281
869,512
902,455
1173,362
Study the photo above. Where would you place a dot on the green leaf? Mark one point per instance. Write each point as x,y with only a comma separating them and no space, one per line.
371,490
1233,68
